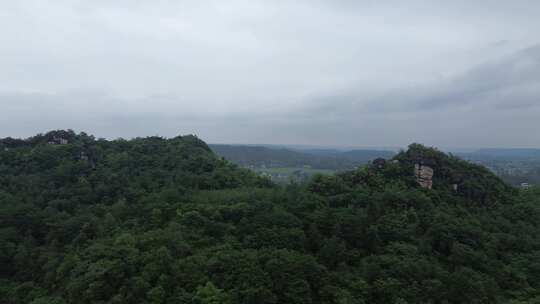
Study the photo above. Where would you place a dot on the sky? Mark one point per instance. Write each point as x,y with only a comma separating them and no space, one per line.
337,73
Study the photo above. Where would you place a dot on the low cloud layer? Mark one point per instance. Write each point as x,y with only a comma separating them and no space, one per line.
347,73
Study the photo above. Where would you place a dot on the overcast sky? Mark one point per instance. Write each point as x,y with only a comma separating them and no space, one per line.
342,73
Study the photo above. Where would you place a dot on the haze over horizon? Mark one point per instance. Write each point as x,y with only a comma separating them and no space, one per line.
324,73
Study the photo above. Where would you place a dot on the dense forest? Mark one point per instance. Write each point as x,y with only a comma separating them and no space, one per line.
156,220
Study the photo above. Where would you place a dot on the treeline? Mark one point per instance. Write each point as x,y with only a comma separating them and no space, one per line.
154,220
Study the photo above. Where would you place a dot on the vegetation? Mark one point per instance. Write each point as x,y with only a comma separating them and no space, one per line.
154,220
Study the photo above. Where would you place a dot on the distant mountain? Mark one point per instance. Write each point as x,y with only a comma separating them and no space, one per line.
509,153
320,151
366,155
259,156
354,155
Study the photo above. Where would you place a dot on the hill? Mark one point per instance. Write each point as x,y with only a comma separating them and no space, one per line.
154,220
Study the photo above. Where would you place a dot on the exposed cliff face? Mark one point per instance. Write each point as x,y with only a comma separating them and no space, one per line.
424,175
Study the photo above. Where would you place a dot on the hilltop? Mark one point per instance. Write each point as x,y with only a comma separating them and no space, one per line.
156,220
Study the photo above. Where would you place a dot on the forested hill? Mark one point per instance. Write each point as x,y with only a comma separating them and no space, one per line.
115,168
154,220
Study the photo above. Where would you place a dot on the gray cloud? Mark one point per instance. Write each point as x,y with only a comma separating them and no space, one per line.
509,82
355,73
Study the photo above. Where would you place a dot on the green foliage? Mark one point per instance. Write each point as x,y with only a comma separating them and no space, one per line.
154,220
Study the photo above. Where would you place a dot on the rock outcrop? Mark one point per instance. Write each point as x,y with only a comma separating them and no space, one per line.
424,175
58,141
